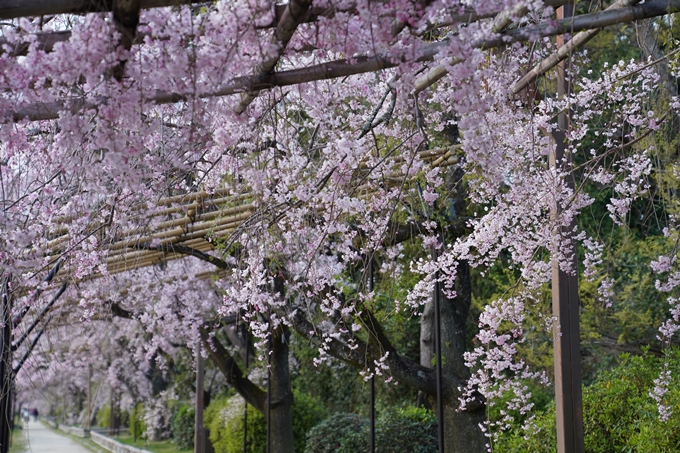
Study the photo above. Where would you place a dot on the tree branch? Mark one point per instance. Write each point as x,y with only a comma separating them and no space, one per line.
253,394
619,9
120,312
183,250
293,15
363,354
126,19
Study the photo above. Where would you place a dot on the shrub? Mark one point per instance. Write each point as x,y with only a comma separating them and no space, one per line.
337,434
224,418
103,416
136,421
411,429
619,415
182,424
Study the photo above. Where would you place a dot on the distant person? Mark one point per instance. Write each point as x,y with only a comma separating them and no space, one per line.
25,415
34,412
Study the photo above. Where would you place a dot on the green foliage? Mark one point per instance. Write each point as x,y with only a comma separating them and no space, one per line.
341,433
619,414
622,416
224,418
182,426
307,413
410,429
103,416
338,386
136,422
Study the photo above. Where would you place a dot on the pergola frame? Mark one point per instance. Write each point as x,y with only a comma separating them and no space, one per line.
219,215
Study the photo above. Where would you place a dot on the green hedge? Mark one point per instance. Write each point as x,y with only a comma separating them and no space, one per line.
619,415
136,424
103,416
224,418
410,430
182,424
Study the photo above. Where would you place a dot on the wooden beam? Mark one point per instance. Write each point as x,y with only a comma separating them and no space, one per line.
364,64
12,9
565,297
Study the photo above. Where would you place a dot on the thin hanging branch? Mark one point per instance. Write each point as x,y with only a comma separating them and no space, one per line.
30,349
46,41
39,318
18,318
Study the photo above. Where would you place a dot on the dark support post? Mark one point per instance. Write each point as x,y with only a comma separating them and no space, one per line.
269,393
112,413
5,368
438,358
199,434
245,403
568,396
89,397
371,284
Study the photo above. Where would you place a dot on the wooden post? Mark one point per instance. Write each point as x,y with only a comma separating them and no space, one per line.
566,334
199,435
89,397
371,447
246,340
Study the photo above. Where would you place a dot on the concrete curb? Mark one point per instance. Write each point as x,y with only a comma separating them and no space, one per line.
100,439
114,445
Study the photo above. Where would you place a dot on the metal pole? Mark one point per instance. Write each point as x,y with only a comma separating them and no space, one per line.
89,396
372,407
199,435
245,403
269,392
566,334
5,368
438,358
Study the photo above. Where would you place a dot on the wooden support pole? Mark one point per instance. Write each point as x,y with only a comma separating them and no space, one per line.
89,397
199,435
246,340
438,358
372,402
566,334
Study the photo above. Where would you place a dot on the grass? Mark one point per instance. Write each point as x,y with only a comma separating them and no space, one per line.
19,444
161,446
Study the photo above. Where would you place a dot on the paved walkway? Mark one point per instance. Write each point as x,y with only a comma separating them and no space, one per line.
42,439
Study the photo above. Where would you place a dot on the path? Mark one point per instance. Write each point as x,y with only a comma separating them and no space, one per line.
42,439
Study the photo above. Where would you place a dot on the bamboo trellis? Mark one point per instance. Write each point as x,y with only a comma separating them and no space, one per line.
200,221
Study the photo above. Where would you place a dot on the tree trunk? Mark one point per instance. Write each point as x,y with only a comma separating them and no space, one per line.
426,345
648,42
281,396
462,430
